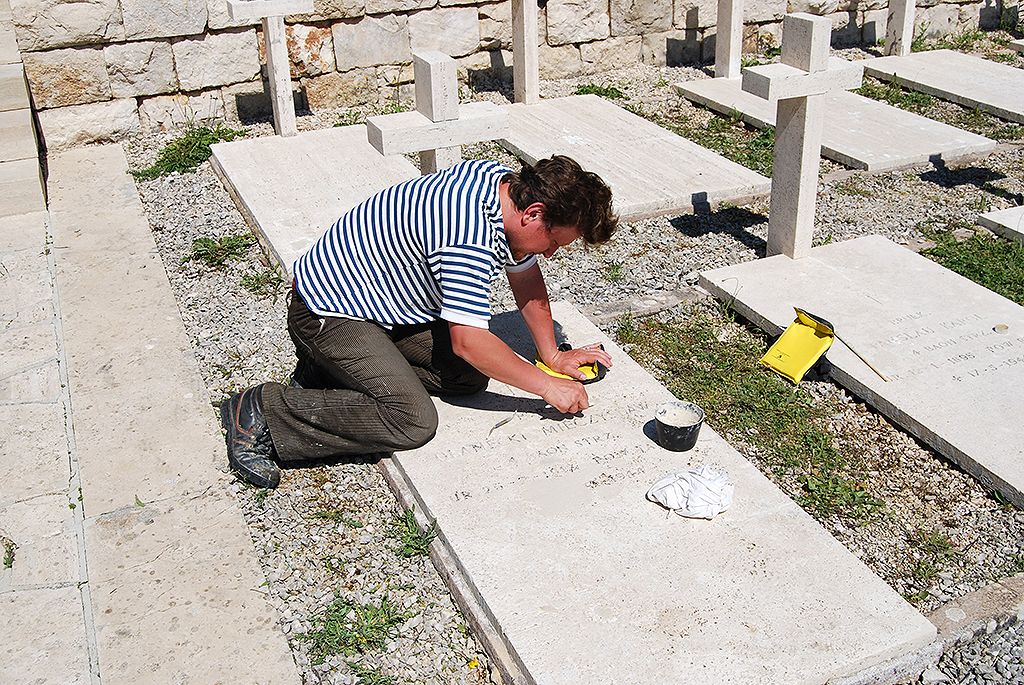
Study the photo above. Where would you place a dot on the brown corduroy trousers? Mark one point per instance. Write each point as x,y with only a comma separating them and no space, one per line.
365,389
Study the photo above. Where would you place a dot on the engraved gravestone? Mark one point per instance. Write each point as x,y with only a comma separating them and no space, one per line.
544,522
953,350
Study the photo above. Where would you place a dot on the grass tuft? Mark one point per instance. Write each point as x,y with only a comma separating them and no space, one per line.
413,542
186,152
987,260
348,628
370,676
891,93
216,252
9,548
338,516
715,365
608,91
265,283
727,136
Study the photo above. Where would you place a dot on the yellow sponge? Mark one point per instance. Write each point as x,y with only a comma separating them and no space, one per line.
800,346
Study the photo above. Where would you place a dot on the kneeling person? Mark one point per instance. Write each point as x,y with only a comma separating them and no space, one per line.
391,305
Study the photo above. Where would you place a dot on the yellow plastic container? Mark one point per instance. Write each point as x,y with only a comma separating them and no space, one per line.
800,346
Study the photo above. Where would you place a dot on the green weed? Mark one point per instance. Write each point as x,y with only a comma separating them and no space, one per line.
608,91
186,152
338,516
370,676
965,41
919,43
992,262
891,93
936,550
9,548
626,331
216,252
615,272
413,542
266,283
850,186
350,118
729,137
789,432
348,628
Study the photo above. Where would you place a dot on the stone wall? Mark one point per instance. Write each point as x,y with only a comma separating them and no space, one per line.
101,68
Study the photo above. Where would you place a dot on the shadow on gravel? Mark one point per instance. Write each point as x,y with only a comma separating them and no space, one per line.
980,177
732,221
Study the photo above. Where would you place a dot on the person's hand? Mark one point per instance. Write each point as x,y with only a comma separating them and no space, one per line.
568,397
570,361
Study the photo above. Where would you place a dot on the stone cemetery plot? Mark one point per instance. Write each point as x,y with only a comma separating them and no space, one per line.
1008,223
650,170
544,521
291,189
859,132
964,79
953,350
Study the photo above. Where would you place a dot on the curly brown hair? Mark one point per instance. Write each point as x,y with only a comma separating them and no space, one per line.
570,195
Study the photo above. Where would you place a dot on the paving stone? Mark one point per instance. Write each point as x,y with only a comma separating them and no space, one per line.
26,347
936,335
13,87
177,596
44,637
33,451
1008,223
43,529
964,79
142,415
17,135
547,519
270,180
36,384
25,294
9,53
650,170
859,132
23,232
21,187
173,578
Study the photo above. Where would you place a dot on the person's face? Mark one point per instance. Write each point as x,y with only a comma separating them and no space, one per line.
539,239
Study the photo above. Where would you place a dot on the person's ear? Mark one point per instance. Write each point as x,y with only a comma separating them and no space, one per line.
533,212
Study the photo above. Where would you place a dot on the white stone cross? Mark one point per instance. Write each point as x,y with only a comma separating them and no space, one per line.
272,13
728,38
439,125
799,84
525,63
899,27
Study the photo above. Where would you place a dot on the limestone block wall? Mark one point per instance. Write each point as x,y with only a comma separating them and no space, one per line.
101,68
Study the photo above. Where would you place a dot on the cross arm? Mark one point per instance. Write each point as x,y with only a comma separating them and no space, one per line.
254,10
395,134
781,81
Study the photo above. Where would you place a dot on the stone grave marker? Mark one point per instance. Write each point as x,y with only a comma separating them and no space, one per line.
799,84
967,80
544,533
729,39
899,27
272,13
525,60
953,350
439,125
1008,223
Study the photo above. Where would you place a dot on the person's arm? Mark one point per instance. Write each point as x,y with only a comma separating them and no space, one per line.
493,358
532,299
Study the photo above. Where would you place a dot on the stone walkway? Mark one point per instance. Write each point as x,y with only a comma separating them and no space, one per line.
129,561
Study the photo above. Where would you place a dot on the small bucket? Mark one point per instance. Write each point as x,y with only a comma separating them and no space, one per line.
677,425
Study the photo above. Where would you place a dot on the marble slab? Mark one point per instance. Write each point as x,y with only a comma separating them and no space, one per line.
859,132
650,170
290,190
1008,223
1017,45
546,529
954,379
964,79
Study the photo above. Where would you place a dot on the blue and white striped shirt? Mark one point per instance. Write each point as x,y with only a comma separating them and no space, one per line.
424,249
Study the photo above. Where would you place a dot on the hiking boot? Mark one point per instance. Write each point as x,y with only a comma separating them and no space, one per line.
250,449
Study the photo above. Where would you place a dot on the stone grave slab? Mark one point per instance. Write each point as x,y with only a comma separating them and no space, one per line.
964,79
954,380
650,170
1008,223
859,132
545,523
44,637
291,190
1017,45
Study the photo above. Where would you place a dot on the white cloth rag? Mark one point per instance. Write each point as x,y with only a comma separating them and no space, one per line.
700,493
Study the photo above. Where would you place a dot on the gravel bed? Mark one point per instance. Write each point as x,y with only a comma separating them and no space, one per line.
240,339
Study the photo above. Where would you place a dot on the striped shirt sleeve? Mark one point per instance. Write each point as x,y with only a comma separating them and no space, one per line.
466,272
